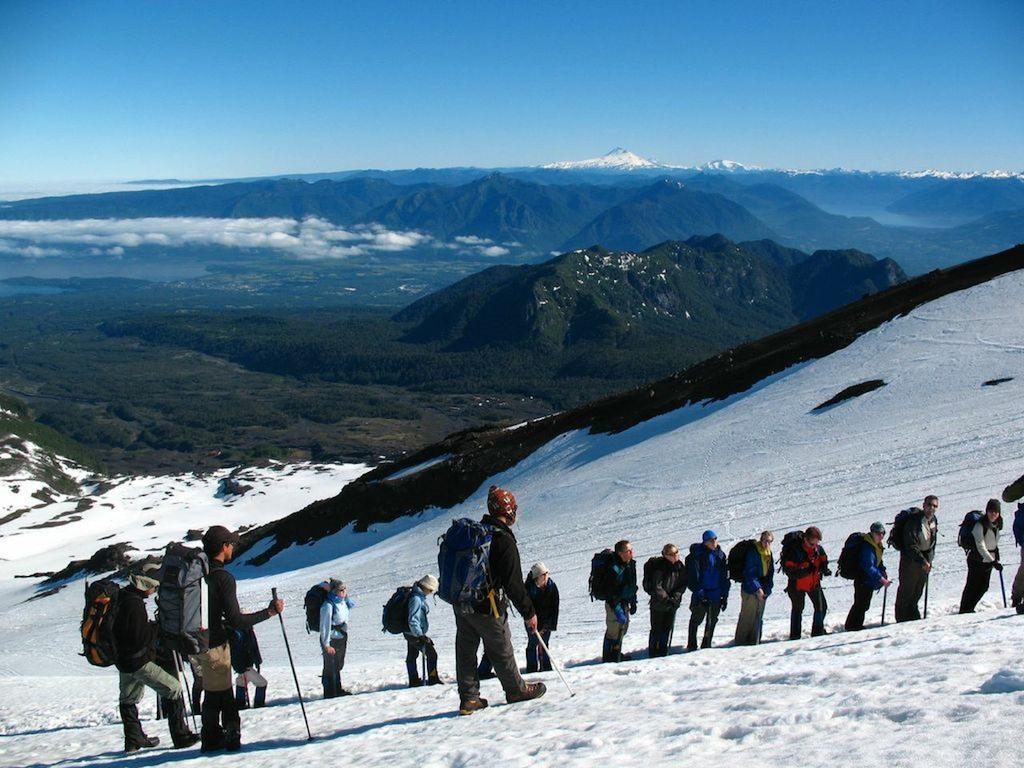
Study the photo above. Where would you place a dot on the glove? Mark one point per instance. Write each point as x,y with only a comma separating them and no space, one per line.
724,603
620,615
632,606
998,566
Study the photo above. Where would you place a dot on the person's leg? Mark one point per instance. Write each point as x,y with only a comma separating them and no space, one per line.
709,627
241,691
412,658
976,586
484,670
903,590
796,613
820,606
129,695
612,635
1017,589
428,649
329,675
543,658
532,649
698,611
746,624
497,640
259,696
467,642
168,688
340,647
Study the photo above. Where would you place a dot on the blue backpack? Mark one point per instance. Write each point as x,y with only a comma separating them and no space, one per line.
463,561
1018,525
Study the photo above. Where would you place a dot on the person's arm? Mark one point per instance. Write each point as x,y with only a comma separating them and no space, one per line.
225,584
416,628
915,540
723,574
555,600
507,573
137,631
979,543
869,566
752,572
326,614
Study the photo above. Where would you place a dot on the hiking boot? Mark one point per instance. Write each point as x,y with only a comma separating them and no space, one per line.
469,706
528,692
212,740
1020,609
144,743
232,739
434,679
415,682
186,741
343,692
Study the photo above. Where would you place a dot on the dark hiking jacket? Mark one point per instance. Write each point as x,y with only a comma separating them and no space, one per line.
225,614
134,633
506,569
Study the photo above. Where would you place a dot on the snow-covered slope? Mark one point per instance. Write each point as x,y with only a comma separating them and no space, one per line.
945,691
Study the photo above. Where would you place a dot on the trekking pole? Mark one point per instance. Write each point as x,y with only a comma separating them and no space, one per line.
186,703
423,657
298,690
885,598
926,580
1002,586
554,666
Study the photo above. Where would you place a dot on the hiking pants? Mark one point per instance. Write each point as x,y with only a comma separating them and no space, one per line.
220,710
614,632
748,626
796,615
862,594
699,611
472,629
333,664
134,684
979,576
1017,591
413,646
913,577
662,623
536,659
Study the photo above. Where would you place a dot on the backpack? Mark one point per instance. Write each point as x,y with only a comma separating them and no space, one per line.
245,650
1018,525
602,579
965,536
738,558
312,603
98,644
848,566
396,612
182,600
650,575
898,533
463,561
792,545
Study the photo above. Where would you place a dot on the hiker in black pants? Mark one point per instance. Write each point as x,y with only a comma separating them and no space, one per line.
805,562
543,593
665,581
707,576
983,558
417,640
920,535
222,728
871,576
138,668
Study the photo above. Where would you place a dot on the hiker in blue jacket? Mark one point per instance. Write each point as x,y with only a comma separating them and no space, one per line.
707,574
622,603
871,576
758,580
416,639
334,636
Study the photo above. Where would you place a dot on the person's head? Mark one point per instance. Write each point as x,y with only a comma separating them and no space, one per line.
337,587
219,543
931,505
539,573
877,532
812,536
993,510
710,539
766,539
145,582
428,584
501,504
670,552
624,550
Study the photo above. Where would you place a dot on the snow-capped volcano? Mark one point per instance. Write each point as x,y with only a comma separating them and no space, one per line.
618,159
728,166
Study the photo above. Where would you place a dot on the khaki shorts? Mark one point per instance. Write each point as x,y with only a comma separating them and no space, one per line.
215,666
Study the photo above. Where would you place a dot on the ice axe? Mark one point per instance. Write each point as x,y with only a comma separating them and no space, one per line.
291,663
554,665
885,598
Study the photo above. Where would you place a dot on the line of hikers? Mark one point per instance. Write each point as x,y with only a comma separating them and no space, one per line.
480,575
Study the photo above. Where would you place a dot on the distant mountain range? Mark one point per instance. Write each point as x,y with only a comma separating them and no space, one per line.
704,288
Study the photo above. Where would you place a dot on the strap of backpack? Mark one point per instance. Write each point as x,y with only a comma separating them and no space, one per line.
204,604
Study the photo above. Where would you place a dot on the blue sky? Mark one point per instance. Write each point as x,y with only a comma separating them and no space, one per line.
116,90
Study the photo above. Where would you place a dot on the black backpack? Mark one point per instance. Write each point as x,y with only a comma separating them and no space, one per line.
792,546
98,644
650,574
313,602
396,612
898,533
1018,525
965,536
849,561
602,578
738,558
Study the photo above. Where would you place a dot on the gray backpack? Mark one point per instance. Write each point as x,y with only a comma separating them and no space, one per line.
182,600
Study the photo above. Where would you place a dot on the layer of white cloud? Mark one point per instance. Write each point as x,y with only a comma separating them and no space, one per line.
310,238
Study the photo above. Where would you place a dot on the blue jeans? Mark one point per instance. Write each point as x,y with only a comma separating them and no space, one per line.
536,659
